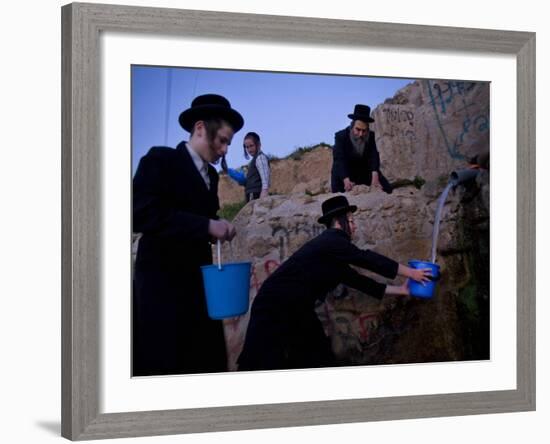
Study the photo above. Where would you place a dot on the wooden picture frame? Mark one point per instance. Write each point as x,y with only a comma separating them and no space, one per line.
81,243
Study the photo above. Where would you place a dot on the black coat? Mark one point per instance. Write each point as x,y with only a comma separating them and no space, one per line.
172,206
348,163
284,330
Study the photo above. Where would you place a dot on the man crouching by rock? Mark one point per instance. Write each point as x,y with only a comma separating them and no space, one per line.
355,157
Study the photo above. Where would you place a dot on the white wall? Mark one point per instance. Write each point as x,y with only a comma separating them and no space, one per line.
30,221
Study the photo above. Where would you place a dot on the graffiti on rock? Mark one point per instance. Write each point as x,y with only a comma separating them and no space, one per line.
449,101
286,234
399,123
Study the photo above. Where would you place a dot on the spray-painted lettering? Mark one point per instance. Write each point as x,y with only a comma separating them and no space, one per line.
285,236
443,95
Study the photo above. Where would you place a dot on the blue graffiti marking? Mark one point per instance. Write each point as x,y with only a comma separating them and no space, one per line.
483,123
440,103
452,150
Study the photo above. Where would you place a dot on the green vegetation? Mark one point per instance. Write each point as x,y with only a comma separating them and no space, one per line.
468,297
443,180
473,298
299,152
418,182
229,211
272,157
471,322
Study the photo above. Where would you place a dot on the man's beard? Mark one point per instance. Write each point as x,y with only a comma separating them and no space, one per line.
358,143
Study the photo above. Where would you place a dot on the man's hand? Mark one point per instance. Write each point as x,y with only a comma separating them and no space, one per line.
404,289
375,182
221,229
348,184
263,194
401,290
422,275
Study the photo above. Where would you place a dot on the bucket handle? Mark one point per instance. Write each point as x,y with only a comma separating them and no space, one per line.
219,245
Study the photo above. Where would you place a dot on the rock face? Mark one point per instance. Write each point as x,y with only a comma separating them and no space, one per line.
308,173
397,329
432,127
427,130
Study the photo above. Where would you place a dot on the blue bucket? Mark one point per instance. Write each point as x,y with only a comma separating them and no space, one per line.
226,289
427,290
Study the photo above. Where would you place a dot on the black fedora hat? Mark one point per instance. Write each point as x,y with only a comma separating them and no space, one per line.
362,113
210,106
334,206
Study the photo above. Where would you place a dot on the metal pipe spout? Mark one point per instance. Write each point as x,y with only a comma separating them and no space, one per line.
461,176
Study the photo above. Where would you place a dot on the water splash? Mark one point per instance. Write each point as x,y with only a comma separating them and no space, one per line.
437,220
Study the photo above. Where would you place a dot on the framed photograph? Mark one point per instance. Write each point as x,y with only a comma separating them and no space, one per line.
116,56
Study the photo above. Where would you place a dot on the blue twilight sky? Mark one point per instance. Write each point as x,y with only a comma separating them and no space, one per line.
287,110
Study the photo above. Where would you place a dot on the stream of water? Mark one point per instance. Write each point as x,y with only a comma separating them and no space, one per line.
437,220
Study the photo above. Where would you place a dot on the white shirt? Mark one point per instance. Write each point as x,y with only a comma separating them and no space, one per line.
201,165
263,168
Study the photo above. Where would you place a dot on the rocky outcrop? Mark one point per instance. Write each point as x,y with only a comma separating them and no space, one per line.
363,329
308,173
431,127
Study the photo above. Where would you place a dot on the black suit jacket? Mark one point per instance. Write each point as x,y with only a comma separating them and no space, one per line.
348,163
284,331
172,207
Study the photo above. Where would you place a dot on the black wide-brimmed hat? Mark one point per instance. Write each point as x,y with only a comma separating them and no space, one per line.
362,113
333,207
210,106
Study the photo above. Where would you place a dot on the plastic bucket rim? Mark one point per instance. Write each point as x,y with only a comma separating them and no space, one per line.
227,264
418,261
425,264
